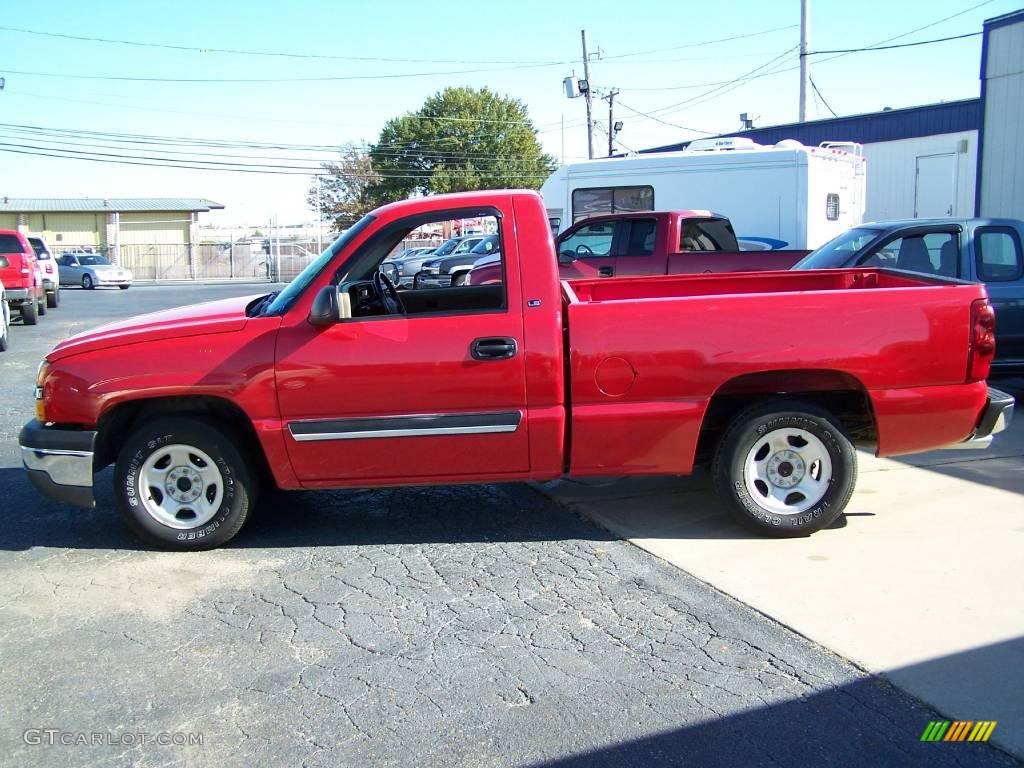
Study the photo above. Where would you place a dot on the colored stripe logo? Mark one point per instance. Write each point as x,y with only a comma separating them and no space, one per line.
958,730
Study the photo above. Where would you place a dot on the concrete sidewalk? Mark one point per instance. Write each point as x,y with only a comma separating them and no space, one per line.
921,581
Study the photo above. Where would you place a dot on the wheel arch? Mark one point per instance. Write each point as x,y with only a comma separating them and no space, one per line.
841,394
117,423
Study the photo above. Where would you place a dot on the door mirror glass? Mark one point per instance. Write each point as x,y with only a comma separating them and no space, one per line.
390,271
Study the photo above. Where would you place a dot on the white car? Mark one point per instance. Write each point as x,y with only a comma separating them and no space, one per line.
5,318
91,270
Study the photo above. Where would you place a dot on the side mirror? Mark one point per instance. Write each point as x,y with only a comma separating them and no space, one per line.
566,257
390,271
325,310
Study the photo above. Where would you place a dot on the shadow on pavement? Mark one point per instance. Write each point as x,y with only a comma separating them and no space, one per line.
819,729
443,514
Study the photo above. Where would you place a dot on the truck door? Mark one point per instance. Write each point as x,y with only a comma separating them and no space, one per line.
438,393
1000,265
641,248
586,251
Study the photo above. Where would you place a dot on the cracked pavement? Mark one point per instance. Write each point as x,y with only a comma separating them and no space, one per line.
424,626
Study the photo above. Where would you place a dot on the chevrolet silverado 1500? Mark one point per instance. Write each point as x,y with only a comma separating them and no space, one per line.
344,380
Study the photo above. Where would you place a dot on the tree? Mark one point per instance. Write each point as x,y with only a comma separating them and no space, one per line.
344,193
460,139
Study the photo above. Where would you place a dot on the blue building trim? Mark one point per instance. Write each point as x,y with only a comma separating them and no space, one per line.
890,125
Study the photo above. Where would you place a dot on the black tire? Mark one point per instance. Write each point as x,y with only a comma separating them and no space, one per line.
124,287
3,330
87,283
53,298
238,491
41,304
459,278
749,498
29,312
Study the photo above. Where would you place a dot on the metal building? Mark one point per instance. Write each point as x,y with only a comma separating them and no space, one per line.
154,237
1000,182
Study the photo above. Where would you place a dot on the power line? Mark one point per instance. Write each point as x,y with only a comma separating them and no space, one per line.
890,47
822,97
666,122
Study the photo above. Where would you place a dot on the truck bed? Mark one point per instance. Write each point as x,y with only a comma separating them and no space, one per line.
651,353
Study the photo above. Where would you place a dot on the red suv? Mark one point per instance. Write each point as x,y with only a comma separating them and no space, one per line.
19,272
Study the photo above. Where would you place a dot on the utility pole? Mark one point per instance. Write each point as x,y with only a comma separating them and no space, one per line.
611,118
805,25
588,94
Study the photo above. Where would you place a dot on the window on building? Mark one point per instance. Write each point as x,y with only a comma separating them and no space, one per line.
604,200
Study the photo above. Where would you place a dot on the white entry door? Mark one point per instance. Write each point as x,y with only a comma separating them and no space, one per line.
935,189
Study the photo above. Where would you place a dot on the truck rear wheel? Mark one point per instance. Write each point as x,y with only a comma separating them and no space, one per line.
181,484
29,312
785,468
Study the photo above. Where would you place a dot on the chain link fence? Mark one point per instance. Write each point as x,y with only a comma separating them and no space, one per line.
244,261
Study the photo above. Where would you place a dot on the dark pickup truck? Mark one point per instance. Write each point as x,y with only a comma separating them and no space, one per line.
980,250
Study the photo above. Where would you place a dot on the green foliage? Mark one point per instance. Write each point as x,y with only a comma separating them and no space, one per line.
461,139
345,193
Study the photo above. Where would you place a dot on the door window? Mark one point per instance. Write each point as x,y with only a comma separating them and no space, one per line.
710,235
642,233
932,253
999,254
589,241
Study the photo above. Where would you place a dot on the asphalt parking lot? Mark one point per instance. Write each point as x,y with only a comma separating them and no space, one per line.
425,626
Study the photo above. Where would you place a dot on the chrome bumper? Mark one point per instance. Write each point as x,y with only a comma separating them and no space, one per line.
59,462
994,419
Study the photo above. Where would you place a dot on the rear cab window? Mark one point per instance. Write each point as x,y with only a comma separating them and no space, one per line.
998,254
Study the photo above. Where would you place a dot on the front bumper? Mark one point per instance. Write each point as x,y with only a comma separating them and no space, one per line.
59,462
996,417
101,281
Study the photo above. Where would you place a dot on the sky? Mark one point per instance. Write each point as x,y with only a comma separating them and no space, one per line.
673,63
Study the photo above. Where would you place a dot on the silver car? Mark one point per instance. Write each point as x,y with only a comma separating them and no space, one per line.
91,270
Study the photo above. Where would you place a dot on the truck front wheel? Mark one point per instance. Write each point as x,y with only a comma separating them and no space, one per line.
785,468
181,484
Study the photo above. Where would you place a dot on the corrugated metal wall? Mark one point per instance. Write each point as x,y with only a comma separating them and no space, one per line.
163,228
1002,172
65,230
892,174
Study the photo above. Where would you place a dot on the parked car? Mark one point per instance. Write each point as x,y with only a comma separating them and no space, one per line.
452,270
5,319
983,250
91,270
48,269
20,274
409,268
341,380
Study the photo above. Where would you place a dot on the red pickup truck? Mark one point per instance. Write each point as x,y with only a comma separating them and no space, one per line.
344,380
651,243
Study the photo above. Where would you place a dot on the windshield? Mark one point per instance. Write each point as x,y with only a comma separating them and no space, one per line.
291,292
447,246
485,246
92,260
836,252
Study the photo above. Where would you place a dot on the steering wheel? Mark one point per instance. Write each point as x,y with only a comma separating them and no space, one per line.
584,250
388,294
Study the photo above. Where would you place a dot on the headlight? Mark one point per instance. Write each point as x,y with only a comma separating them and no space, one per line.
41,373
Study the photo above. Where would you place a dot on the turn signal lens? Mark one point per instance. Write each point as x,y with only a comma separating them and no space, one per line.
983,340
44,369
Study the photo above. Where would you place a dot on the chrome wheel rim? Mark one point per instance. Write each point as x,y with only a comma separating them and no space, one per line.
181,486
787,471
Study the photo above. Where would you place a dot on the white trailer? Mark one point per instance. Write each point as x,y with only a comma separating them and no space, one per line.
787,196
